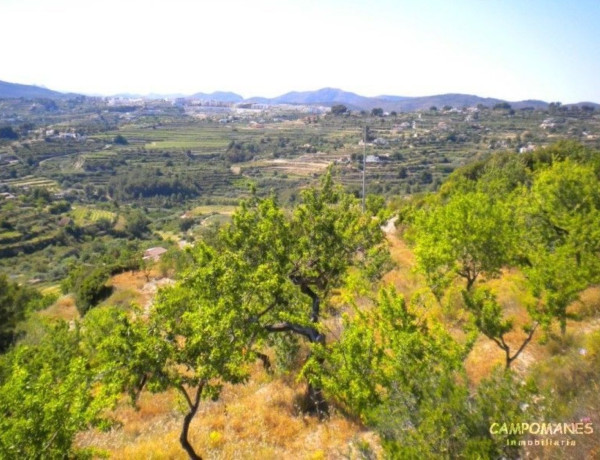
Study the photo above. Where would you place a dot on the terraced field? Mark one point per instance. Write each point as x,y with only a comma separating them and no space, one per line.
28,182
83,216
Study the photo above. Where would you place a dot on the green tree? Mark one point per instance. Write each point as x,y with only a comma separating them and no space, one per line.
468,236
137,223
339,109
120,140
191,341
560,221
47,394
90,288
7,132
381,348
16,302
502,106
288,264
407,380
489,320
269,272
307,255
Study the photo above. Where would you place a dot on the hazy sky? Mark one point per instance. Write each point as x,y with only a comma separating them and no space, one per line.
510,49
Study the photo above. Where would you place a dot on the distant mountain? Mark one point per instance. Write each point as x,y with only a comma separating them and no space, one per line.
16,90
332,96
220,96
583,104
410,104
324,96
153,96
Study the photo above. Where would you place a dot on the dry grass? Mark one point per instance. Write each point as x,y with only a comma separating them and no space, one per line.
261,420
255,420
588,305
403,277
64,308
135,286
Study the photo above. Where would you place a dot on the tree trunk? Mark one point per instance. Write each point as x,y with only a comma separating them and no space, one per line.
315,400
193,406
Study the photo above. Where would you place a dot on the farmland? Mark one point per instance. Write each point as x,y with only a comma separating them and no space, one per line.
102,205
93,163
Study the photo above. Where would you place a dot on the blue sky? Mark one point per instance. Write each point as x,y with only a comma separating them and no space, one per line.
508,49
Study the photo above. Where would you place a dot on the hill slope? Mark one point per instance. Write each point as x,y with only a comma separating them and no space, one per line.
16,90
332,96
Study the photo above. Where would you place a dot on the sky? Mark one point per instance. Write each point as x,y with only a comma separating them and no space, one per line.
508,49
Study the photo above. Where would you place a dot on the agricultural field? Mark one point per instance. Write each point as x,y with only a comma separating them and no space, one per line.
83,216
94,164
98,203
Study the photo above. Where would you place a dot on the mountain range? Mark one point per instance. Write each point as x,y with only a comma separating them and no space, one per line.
12,90
323,97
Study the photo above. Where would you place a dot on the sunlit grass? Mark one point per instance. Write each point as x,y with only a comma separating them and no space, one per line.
83,215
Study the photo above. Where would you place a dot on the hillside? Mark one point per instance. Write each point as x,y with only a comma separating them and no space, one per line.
221,96
82,214
322,97
261,417
332,96
16,90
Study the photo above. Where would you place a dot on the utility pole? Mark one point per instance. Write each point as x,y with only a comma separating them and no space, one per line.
364,166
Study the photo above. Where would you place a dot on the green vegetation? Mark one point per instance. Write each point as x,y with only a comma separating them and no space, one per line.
406,379
47,394
539,213
286,272
16,303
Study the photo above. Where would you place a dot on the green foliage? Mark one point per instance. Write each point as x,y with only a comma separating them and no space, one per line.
16,302
120,140
407,381
338,109
273,272
489,319
469,235
137,223
90,288
303,256
375,204
47,394
540,214
560,217
7,132
151,183
197,335
502,106
487,312
384,348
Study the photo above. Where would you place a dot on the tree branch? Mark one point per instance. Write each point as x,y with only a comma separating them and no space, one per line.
183,438
309,332
183,391
524,344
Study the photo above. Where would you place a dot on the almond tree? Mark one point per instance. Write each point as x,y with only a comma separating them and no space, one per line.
270,272
296,259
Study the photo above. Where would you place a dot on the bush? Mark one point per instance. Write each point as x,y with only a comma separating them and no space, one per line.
6,132
90,288
120,140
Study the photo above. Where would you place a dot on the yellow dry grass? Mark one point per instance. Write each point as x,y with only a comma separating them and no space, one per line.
261,420
255,420
137,286
403,276
64,308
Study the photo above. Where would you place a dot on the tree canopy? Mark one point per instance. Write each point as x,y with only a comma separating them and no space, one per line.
538,213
